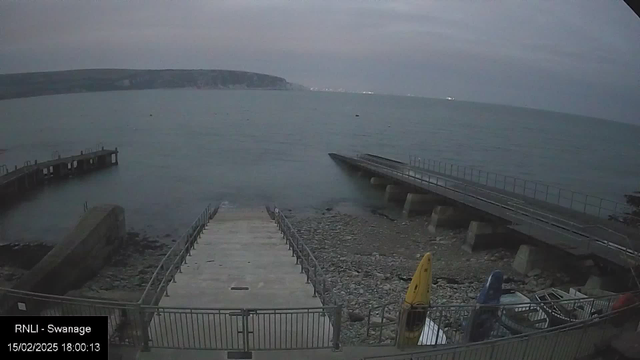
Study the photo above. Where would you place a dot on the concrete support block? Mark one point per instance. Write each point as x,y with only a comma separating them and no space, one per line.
395,193
63,170
380,181
484,236
419,203
528,258
447,217
595,282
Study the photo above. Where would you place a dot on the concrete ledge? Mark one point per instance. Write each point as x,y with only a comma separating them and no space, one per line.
484,236
380,181
78,257
419,203
530,257
447,217
608,283
395,193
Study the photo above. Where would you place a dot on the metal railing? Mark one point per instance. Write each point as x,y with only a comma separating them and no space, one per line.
175,258
125,319
569,341
146,327
382,323
308,263
577,201
512,210
458,324
244,329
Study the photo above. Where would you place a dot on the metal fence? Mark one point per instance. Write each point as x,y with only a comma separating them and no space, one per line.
569,341
457,324
175,258
577,201
308,263
125,319
244,329
530,221
147,327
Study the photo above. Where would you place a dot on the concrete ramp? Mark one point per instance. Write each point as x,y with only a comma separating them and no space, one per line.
249,292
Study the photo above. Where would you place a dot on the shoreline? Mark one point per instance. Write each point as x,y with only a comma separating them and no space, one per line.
369,261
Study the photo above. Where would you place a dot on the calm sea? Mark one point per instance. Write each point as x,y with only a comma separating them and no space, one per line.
257,147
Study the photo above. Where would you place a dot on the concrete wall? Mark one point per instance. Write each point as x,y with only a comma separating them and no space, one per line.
79,256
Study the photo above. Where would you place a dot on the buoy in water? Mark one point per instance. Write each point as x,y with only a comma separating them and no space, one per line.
357,115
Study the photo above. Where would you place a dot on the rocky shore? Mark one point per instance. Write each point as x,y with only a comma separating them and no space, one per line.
370,260
129,271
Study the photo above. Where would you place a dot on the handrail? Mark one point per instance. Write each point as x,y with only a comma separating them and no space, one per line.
60,298
531,189
308,263
172,262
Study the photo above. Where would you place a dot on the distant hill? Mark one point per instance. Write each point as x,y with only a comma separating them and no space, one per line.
92,80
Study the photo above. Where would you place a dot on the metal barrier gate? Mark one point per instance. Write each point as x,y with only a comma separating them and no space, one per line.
244,329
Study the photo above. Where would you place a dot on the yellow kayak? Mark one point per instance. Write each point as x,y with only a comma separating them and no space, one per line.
418,295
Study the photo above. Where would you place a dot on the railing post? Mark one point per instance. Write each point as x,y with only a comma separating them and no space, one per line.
586,200
400,327
571,206
546,196
315,281
245,330
600,207
337,324
144,329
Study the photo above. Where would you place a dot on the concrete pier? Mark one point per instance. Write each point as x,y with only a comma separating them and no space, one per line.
483,235
528,258
549,219
15,183
447,217
241,261
419,203
395,193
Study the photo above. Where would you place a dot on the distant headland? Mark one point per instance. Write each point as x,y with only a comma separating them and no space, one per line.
21,85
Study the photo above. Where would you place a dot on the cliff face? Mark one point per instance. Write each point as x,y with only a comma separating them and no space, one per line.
91,80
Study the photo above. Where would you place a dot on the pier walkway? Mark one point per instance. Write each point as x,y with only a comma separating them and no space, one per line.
20,180
538,212
240,290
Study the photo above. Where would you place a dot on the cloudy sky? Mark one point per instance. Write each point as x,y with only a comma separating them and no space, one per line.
577,56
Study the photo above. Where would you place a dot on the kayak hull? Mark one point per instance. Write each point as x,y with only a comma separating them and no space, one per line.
416,300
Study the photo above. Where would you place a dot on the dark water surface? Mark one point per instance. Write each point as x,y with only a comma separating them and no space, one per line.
256,147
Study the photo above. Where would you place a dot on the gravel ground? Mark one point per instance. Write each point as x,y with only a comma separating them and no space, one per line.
130,269
370,260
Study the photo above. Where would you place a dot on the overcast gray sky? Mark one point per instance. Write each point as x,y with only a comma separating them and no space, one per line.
577,56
